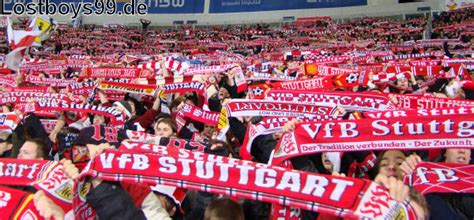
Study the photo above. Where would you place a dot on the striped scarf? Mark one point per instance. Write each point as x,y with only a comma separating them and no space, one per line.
337,196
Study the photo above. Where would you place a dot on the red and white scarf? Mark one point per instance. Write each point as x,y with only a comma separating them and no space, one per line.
397,130
469,63
328,82
384,78
129,88
138,139
54,105
418,102
182,87
207,69
9,121
312,58
239,79
268,125
424,63
174,65
8,80
42,89
442,178
150,65
246,107
17,204
49,81
254,76
348,100
410,56
51,71
25,96
331,71
338,196
42,174
177,79
198,114
81,88
107,72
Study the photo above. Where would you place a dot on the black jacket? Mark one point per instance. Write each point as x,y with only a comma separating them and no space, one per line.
450,206
110,201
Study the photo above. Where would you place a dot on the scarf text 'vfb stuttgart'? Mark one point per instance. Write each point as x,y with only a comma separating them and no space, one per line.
42,174
245,107
200,115
24,97
268,125
442,178
417,102
403,130
348,100
338,196
183,87
52,105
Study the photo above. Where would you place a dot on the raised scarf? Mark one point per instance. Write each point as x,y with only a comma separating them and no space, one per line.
23,97
402,130
17,204
108,72
246,107
81,88
327,82
8,80
9,121
53,105
256,76
182,87
442,178
42,174
420,102
27,89
200,115
268,125
409,56
337,196
49,81
331,71
348,100
129,88
207,69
